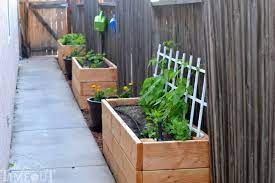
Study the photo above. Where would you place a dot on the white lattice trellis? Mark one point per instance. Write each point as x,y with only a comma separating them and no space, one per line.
189,69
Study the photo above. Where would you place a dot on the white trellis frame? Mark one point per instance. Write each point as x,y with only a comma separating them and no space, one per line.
185,68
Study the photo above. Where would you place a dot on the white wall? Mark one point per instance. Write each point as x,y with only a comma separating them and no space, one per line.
8,73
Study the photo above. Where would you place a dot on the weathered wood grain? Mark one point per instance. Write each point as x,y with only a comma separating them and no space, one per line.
43,25
77,16
198,175
95,74
124,136
84,78
237,39
146,160
140,29
241,90
168,155
117,172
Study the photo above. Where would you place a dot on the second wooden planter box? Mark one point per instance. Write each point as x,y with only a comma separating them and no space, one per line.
133,160
66,50
84,78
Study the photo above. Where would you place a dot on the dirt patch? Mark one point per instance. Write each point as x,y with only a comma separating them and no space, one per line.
97,136
69,82
133,116
98,139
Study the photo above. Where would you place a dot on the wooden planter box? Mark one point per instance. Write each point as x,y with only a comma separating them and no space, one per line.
66,50
133,160
84,78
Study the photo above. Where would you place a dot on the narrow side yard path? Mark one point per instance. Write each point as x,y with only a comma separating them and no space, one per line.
50,137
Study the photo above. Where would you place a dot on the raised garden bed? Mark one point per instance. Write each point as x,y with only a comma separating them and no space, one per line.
66,50
84,78
136,160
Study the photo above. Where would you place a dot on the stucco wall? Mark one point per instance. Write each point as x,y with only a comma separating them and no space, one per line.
8,73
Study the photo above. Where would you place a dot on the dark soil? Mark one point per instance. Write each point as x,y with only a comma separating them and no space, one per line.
97,136
69,82
133,116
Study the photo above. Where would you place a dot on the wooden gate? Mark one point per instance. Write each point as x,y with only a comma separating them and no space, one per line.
42,23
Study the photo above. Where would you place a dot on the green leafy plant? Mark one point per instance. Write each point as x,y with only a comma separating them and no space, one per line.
107,92
179,129
154,127
92,60
170,44
96,59
11,165
77,53
127,91
102,93
164,107
73,39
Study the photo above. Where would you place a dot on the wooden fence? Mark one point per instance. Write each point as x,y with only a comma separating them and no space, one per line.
141,28
236,38
76,9
241,90
42,23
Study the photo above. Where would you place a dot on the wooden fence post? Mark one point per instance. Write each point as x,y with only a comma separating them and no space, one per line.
241,90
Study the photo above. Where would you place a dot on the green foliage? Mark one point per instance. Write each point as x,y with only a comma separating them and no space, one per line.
95,59
153,62
81,60
179,129
164,107
127,91
152,90
77,53
11,165
170,44
105,93
102,93
150,131
73,39
91,60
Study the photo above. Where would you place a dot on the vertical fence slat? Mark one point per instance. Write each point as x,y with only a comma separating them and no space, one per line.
240,78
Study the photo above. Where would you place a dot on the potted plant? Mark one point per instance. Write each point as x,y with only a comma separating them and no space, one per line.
148,139
91,69
94,103
68,43
68,62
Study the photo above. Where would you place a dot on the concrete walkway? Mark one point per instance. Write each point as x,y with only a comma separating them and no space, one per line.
51,142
